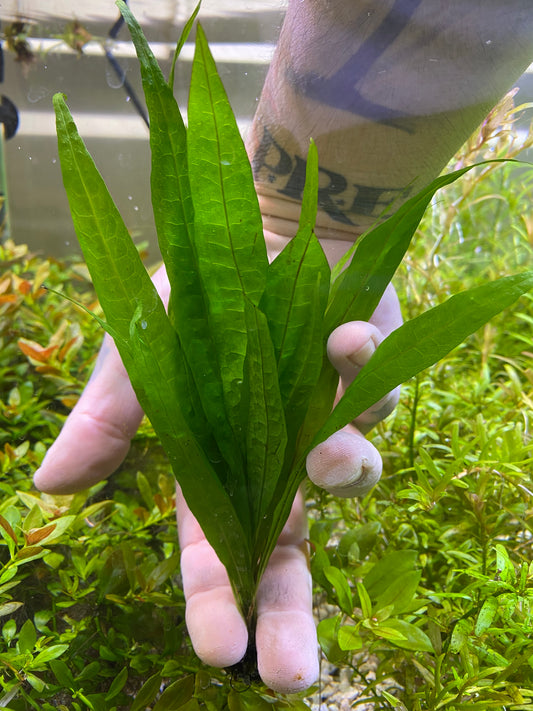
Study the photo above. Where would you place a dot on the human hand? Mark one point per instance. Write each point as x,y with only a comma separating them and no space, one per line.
95,439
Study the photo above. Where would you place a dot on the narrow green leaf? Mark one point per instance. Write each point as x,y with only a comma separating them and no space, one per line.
53,652
376,256
266,436
117,684
147,343
410,636
37,683
230,244
395,703
183,38
147,693
225,200
421,342
386,569
327,633
145,490
506,570
400,592
62,673
202,393
460,633
294,302
310,194
389,633
342,589
349,638
176,695
130,564
8,608
364,600
161,572
486,615
364,537
27,637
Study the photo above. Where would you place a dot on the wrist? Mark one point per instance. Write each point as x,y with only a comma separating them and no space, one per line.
280,224
388,91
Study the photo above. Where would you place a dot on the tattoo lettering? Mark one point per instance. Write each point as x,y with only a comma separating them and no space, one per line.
338,198
340,90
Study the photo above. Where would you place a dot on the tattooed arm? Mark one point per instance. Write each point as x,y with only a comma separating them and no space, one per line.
389,91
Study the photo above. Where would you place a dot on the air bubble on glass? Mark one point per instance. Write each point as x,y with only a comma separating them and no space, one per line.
37,93
113,81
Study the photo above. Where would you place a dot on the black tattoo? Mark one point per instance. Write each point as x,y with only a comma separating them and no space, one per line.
338,198
340,90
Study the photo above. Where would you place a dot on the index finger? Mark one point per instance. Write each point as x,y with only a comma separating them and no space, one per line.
96,435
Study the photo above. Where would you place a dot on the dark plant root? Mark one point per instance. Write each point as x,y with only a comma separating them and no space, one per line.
245,672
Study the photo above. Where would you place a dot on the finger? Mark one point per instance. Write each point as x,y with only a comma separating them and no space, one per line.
350,347
346,464
287,648
217,630
387,316
96,435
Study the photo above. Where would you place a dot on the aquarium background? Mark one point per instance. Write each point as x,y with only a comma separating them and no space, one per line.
242,33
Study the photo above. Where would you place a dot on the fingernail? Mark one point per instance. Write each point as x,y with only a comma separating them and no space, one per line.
361,357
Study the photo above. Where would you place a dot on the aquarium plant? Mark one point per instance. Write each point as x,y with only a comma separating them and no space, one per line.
234,375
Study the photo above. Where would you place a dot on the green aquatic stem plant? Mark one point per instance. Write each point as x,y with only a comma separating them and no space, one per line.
234,376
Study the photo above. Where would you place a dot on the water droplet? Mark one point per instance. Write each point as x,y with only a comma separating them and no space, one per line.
37,93
113,81
225,162
136,208
144,324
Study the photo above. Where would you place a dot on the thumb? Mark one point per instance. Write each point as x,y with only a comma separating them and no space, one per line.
346,464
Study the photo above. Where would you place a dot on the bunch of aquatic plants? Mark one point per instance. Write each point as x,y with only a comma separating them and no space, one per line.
235,378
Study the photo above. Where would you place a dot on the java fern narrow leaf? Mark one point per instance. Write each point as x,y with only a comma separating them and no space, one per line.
294,301
355,292
376,256
423,341
183,38
230,245
148,345
188,307
413,347
266,435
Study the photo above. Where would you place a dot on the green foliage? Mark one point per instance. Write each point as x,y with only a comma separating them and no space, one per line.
439,555
91,608
242,351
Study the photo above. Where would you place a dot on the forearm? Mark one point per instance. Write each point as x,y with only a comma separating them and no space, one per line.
388,90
